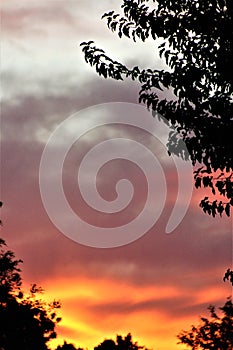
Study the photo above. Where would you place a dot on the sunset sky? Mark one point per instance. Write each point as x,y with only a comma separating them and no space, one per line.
153,287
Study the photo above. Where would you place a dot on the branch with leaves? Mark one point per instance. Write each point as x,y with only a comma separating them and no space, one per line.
196,41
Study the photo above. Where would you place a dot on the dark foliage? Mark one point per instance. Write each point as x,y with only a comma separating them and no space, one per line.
10,279
196,41
1,204
215,333
67,346
26,322
121,343
228,276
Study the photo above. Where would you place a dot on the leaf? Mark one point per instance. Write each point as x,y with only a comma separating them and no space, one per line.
227,209
107,14
198,182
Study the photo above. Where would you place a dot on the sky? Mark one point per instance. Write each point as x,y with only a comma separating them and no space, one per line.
153,287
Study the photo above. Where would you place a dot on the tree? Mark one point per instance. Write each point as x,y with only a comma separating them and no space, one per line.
121,343
67,346
26,322
213,334
196,41
10,279
107,344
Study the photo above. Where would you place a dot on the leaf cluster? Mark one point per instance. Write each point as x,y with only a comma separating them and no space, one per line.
228,276
221,184
196,41
214,333
10,279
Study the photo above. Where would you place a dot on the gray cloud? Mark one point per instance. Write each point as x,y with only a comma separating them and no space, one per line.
42,87
173,307
182,258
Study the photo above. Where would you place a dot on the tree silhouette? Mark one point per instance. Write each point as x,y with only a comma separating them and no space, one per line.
107,344
10,279
26,322
67,346
121,343
196,40
213,334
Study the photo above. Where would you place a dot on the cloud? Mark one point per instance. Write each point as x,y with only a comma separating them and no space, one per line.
45,39
158,277
190,253
111,307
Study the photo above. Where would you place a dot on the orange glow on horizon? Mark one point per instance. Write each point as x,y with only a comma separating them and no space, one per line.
87,317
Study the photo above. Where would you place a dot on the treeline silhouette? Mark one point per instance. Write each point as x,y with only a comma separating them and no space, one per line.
29,323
